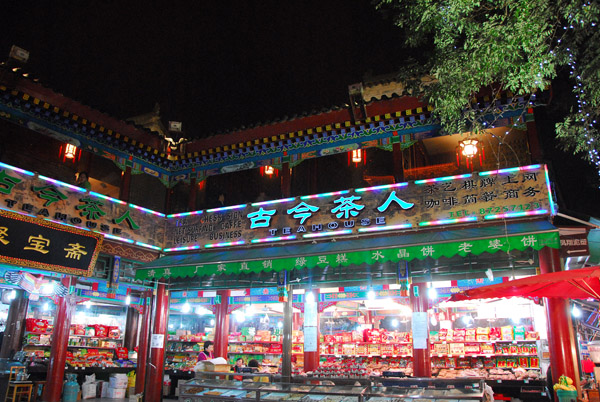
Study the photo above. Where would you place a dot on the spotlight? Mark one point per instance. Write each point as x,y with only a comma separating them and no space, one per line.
371,295
576,311
128,300
395,323
432,293
310,297
186,308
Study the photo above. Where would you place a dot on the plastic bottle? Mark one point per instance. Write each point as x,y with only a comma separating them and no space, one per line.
71,388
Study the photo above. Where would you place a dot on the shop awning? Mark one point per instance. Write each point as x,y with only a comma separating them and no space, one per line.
407,247
581,283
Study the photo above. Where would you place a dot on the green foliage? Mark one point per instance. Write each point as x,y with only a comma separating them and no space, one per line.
497,45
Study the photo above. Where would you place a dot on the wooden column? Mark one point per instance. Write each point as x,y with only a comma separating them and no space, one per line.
15,324
60,340
192,195
222,325
286,180
143,347
131,328
561,340
125,184
398,162
155,369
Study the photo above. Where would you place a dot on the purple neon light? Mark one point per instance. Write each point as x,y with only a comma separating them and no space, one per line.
226,208
447,178
66,224
231,243
181,248
185,214
308,197
325,234
16,169
60,183
383,187
117,238
271,239
139,243
509,170
147,210
257,204
448,221
17,212
552,206
516,214
381,228
106,197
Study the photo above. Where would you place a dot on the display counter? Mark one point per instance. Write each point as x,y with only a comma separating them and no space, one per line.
202,390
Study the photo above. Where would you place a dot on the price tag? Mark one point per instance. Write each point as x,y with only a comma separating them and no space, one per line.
414,386
526,381
499,381
431,387
461,356
450,386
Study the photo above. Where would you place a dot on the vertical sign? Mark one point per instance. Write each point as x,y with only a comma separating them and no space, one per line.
419,330
114,279
310,326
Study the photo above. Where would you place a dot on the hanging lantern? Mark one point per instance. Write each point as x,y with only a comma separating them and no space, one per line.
469,148
70,151
356,156
268,171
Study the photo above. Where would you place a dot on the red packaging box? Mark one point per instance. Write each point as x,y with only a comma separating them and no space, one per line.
101,331
36,326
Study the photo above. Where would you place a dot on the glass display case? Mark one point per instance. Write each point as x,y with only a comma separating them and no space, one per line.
201,390
400,390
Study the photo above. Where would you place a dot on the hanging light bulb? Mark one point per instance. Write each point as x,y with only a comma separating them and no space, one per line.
249,310
395,323
576,311
88,304
128,300
186,308
357,156
12,295
269,170
46,307
432,293
371,295
310,297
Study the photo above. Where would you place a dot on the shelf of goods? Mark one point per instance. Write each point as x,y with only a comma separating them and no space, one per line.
92,346
494,353
200,390
182,354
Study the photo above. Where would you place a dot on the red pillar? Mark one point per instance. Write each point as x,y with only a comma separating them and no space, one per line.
153,389
561,340
296,321
286,181
222,325
398,162
60,340
125,184
193,194
421,357
142,361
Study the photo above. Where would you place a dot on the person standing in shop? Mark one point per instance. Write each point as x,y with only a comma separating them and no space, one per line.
207,353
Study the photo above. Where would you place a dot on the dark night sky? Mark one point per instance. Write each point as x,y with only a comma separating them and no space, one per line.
215,65
218,65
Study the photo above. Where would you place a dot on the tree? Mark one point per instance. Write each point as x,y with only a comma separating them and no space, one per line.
521,46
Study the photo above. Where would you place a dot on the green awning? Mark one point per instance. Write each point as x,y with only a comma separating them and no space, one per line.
407,247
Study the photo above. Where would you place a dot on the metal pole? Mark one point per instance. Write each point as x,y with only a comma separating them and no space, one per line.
286,360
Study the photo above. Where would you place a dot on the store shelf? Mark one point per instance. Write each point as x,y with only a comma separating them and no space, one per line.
172,340
486,355
184,351
106,338
355,355
488,342
91,347
254,342
36,344
366,343
253,353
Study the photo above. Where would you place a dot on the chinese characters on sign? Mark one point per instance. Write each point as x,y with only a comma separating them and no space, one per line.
39,244
467,198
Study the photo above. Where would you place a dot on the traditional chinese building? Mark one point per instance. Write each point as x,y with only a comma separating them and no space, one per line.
371,194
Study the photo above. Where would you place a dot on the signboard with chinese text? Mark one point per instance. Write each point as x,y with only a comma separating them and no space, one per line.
473,197
49,199
34,243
